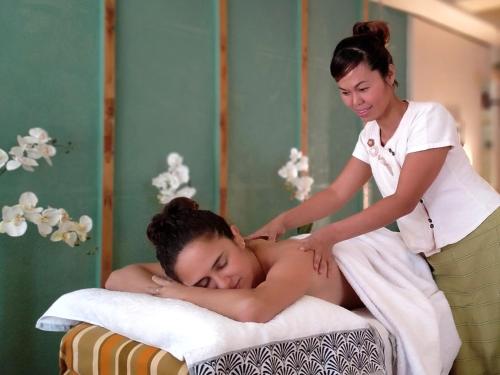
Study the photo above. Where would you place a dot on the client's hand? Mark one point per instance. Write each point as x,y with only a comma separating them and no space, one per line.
323,257
271,231
165,288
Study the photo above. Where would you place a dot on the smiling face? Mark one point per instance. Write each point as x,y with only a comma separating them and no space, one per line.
366,92
218,262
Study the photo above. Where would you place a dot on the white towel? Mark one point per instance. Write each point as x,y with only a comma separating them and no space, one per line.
397,287
188,331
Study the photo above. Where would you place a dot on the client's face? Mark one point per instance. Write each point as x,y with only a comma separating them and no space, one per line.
216,262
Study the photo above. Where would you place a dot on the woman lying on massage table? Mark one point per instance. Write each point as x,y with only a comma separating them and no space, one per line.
205,261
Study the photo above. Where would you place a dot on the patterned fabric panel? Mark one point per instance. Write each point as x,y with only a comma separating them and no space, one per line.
91,350
356,352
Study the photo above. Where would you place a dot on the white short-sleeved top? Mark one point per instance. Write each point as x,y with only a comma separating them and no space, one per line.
458,200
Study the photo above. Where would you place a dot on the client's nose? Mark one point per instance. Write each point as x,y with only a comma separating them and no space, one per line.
222,282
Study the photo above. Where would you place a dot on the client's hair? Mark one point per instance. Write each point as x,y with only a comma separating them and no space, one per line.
179,223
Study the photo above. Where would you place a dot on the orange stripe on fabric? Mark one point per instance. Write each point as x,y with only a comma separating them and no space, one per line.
107,353
97,348
142,359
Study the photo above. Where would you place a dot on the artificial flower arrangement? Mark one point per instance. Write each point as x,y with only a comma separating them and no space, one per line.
15,218
174,182
295,173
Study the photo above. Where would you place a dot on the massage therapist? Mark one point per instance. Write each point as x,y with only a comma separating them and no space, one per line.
443,208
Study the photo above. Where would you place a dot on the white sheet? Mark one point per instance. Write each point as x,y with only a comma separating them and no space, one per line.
187,331
397,288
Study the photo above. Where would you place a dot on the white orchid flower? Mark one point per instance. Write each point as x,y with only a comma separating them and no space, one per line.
83,227
37,135
13,221
174,182
46,151
64,216
46,220
20,160
65,232
181,172
28,202
303,185
295,155
288,171
160,181
4,158
174,160
295,174
303,164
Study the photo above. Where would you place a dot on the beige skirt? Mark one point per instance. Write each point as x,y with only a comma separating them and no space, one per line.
468,272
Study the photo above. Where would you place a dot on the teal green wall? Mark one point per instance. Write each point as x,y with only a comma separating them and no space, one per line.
51,76
51,69
165,101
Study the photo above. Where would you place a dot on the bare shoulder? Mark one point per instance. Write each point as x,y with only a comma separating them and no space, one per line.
271,254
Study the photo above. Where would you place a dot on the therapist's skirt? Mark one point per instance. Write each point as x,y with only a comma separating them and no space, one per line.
468,272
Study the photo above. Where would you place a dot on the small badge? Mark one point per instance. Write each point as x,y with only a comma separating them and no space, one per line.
370,142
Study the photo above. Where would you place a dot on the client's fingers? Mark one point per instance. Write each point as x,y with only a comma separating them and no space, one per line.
160,280
317,261
154,290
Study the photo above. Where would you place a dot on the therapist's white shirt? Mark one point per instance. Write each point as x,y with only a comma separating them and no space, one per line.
458,200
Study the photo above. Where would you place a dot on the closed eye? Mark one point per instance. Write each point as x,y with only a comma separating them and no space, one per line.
221,263
203,283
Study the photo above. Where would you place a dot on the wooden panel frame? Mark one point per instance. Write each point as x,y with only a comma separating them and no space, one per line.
304,94
223,108
109,141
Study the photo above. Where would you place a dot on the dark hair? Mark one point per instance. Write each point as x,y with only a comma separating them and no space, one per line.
179,223
367,44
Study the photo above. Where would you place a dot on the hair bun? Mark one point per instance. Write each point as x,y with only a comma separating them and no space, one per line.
378,29
180,205
164,223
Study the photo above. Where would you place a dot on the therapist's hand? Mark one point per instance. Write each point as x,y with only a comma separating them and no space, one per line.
323,256
271,231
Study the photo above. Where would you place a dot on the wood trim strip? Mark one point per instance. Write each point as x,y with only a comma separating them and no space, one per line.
304,123
366,10
223,109
109,141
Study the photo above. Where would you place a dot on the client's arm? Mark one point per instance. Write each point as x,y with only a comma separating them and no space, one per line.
135,278
287,280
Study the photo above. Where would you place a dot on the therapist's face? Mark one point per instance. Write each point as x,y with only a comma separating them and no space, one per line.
217,262
366,92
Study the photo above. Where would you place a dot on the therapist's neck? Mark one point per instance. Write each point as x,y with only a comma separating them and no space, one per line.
390,119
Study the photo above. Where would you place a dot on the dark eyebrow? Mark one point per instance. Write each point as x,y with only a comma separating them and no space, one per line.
213,266
358,84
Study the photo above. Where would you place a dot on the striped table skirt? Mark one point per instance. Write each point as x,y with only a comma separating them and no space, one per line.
90,350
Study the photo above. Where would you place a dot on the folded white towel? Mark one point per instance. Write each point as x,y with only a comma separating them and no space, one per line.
188,331
398,289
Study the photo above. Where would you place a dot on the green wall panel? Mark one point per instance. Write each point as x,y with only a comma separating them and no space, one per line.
333,129
165,102
50,69
398,22
263,124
